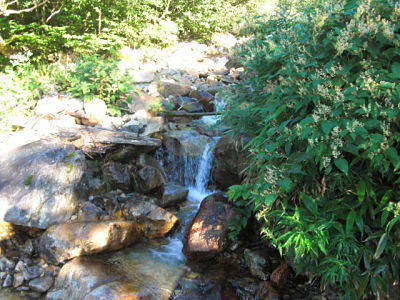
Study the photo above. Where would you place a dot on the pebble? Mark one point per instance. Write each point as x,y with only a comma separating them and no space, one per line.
8,281
31,272
42,284
19,267
6,264
18,280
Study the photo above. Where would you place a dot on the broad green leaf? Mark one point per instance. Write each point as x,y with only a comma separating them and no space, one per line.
381,246
327,126
286,184
342,165
309,203
361,191
395,70
350,221
270,199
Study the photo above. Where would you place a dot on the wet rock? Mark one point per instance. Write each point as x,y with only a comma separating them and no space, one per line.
42,284
65,241
149,180
205,99
8,281
94,278
153,220
256,264
229,161
190,105
6,264
40,183
168,88
173,194
267,292
95,111
18,280
32,272
280,275
117,175
207,235
146,160
185,142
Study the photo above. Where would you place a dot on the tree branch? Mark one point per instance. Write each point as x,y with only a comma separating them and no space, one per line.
53,13
6,12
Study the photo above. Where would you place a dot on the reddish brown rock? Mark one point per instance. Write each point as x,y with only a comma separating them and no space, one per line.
267,292
205,99
207,235
280,275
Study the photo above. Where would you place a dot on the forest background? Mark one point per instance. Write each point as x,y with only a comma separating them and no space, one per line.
320,103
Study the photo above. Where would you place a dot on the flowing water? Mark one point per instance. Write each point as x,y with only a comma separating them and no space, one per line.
157,265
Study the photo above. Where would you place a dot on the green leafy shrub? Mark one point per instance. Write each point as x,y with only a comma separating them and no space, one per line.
321,104
20,85
95,77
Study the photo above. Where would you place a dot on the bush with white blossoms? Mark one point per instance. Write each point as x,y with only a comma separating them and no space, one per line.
323,115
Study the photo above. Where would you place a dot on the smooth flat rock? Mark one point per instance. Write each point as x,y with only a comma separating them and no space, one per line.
66,241
123,275
87,278
41,183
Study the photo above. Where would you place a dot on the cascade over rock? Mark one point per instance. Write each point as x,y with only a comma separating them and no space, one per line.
41,183
185,142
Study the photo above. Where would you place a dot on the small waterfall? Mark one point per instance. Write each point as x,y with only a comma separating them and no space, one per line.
199,191
194,173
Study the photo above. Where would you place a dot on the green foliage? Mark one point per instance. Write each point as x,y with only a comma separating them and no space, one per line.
100,26
321,104
95,77
19,88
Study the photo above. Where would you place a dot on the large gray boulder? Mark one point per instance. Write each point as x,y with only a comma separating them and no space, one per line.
41,183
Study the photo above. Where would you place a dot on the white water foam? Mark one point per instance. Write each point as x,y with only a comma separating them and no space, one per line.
194,173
